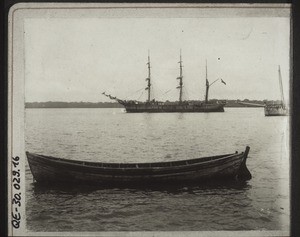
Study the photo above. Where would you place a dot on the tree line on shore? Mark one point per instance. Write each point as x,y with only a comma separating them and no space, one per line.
61,104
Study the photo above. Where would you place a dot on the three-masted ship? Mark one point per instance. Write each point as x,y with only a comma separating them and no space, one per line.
153,106
277,109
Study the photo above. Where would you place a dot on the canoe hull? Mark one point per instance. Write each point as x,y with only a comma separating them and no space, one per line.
53,170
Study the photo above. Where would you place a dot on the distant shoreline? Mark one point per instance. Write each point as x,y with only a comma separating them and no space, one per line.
60,104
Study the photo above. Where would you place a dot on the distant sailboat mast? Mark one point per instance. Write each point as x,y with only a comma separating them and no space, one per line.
207,84
281,87
276,109
180,79
148,79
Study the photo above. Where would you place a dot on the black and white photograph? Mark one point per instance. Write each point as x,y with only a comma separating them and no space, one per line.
149,119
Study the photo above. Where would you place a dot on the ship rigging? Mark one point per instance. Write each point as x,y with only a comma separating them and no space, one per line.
152,106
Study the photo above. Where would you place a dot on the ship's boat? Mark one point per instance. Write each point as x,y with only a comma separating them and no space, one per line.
277,109
51,170
153,106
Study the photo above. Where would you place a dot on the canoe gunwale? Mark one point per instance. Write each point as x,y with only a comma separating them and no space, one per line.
47,169
130,166
134,171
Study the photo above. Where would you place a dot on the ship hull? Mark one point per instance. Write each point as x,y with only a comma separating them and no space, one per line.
165,108
277,110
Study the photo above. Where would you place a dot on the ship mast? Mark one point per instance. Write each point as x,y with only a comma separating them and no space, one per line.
281,87
180,79
207,84
148,79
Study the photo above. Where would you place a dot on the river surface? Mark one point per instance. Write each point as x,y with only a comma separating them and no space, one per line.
115,136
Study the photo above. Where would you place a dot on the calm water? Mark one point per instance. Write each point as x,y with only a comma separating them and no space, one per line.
112,135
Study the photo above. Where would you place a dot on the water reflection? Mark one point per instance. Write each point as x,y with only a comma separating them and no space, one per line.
191,188
180,115
109,207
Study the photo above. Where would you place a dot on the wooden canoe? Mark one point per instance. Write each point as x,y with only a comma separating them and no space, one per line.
46,169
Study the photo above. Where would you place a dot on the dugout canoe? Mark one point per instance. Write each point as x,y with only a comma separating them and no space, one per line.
47,169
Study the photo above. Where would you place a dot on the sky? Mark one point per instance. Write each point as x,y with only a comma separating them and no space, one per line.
76,59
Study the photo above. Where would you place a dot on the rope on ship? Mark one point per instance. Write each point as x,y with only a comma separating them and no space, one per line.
140,95
134,93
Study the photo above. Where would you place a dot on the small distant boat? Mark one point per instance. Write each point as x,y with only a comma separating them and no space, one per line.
277,109
51,170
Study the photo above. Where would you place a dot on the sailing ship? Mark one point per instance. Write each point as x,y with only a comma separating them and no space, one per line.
277,109
153,106
53,170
